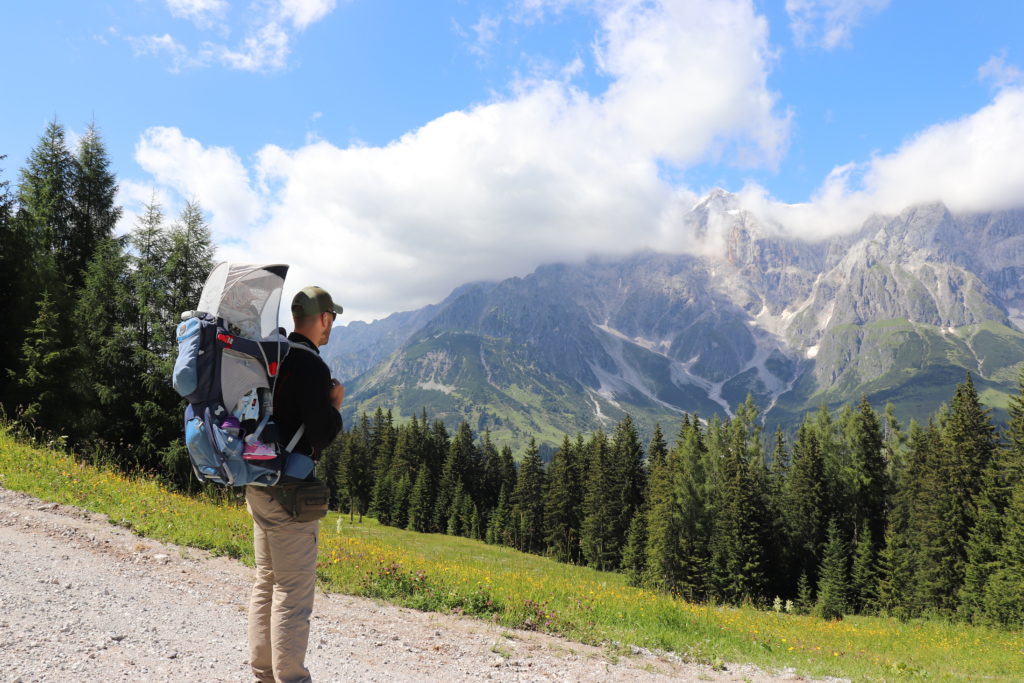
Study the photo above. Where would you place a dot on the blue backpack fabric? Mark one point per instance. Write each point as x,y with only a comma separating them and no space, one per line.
217,372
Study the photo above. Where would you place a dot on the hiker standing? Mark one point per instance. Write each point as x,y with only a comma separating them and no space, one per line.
305,397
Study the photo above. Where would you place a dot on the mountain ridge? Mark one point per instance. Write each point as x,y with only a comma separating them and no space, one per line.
893,310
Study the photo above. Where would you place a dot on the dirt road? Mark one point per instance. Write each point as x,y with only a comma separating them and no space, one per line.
83,600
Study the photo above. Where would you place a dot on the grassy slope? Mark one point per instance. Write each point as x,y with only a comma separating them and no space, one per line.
445,573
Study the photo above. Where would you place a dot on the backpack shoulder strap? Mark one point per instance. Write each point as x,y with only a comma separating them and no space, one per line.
302,428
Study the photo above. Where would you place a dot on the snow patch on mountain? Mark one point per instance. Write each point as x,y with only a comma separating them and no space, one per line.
433,385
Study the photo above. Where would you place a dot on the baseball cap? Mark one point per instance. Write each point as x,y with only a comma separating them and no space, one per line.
314,301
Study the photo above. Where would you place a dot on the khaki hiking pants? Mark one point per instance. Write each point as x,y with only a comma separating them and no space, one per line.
282,596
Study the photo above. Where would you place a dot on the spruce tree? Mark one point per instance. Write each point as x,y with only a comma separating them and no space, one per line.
327,468
679,518
629,476
355,470
1002,601
600,545
454,475
189,261
990,587
420,509
895,573
562,501
108,370
19,285
951,483
657,450
528,501
634,559
738,534
863,574
47,365
869,482
500,521
93,213
804,507
832,584
45,192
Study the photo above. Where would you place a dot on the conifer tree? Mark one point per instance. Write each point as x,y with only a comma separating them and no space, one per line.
804,595
355,470
328,467
895,573
869,482
985,545
528,501
47,364
45,194
562,501
832,583
490,476
454,475
634,559
601,548
190,259
863,574
679,519
737,542
19,285
657,450
1003,591
93,213
420,509
399,516
804,504
955,459
629,480
154,400
500,521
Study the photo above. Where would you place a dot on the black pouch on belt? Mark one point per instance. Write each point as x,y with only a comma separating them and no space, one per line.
305,501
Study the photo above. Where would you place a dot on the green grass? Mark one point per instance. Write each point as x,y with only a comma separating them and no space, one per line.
442,573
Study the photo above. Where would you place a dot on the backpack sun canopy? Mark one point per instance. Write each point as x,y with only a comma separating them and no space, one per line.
246,295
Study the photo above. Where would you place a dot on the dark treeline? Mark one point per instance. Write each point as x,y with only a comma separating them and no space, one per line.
89,316
856,515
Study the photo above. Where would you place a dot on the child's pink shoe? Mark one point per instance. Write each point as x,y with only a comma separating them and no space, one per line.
258,451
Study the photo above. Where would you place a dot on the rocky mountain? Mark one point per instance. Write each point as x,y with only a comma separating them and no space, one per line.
899,311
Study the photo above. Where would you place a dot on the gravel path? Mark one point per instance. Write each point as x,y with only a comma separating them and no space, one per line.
83,600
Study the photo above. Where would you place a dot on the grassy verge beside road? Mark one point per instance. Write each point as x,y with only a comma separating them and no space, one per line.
444,573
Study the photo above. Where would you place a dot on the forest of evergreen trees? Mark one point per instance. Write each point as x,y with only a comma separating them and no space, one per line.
853,514
856,515
89,315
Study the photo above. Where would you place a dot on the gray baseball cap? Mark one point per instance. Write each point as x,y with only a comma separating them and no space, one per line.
314,301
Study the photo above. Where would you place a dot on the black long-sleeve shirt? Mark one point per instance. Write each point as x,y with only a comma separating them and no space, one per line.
303,396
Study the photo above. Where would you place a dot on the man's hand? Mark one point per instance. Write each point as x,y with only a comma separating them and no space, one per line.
337,394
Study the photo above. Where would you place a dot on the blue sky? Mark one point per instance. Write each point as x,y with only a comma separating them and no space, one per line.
392,150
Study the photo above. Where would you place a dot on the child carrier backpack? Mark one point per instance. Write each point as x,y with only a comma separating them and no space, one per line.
229,352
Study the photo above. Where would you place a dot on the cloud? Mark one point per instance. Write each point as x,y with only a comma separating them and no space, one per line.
265,46
828,23
215,176
972,164
165,44
494,190
486,31
203,13
1000,74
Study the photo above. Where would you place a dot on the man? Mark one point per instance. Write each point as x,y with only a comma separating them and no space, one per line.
282,596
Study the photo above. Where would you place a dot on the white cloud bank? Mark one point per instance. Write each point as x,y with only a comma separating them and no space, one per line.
973,164
496,189
552,173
